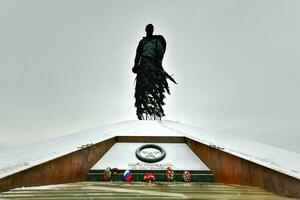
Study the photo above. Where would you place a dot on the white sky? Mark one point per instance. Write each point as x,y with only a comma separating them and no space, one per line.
66,66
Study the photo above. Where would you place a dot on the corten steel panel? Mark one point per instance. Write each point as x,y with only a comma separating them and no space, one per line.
69,168
228,168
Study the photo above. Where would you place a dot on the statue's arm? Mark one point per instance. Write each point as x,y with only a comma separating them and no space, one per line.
164,43
139,51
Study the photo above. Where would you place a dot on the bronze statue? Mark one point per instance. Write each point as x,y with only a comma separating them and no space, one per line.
151,79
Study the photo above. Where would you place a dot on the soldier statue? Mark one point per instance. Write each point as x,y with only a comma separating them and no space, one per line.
151,79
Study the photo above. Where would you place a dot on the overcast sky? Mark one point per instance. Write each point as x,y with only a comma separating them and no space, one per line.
66,66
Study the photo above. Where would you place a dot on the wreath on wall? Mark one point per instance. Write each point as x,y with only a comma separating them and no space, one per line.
152,158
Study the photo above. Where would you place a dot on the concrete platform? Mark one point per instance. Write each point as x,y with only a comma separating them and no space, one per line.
178,157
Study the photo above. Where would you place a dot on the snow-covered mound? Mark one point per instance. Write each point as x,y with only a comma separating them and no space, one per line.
18,159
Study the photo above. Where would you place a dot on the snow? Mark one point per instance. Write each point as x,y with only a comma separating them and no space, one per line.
18,159
122,156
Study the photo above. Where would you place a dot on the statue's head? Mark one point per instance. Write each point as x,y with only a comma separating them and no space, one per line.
149,29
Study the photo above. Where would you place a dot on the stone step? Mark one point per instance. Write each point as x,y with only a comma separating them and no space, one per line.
140,190
160,175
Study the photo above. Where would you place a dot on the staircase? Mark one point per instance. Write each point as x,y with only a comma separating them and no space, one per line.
139,190
160,175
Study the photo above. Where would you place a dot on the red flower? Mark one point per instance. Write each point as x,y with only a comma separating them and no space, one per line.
170,174
187,177
106,177
149,177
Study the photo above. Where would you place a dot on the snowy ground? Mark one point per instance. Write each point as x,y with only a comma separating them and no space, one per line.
18,159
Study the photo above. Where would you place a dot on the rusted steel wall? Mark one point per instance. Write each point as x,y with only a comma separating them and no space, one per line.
72,167
228,168
155,139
